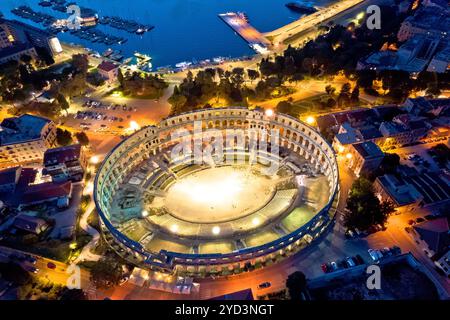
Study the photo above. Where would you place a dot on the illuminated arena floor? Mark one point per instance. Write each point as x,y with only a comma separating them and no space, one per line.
219,194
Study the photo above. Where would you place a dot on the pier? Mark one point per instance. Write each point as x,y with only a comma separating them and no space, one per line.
239,23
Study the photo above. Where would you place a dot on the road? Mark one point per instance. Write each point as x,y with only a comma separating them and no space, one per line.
278,36
86,254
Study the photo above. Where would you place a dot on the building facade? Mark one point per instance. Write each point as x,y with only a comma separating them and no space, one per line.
364,157
65,163
25,139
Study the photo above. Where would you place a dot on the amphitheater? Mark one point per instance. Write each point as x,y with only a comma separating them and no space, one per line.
237,208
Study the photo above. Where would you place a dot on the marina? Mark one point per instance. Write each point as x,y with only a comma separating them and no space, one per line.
165,43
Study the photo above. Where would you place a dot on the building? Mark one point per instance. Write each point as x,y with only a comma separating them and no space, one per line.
433,236
399,132
58,194
414,190
19,32
30,224
17,51
395,190
441,61
426,21
24,139
5,38
418,53
108,70
9,178
364,157
65,163
422,106
443,262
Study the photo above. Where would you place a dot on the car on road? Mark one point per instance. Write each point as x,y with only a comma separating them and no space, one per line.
375,254
325,267
349,234
350,262
420,220
334,266
359,259
31,269
264,285
51,265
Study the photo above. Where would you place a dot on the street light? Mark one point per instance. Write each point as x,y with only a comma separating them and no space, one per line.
269,112
95,159
310,120
134,125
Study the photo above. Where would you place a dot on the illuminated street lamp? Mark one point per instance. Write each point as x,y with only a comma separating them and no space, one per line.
269,112
310,120
349,156
134,126
95,159
73,245
144,213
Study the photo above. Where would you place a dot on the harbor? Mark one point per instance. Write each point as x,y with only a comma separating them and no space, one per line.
238,21
129,30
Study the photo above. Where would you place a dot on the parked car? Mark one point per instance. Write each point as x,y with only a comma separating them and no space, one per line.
264,285
373,254
359,259
349,234
350,262
325,268
420,220
51,265
334,266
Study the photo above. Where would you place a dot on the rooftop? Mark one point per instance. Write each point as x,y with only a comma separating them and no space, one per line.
22,129
14,49
107,66
401,192
46,191
62,154
368,150
435,233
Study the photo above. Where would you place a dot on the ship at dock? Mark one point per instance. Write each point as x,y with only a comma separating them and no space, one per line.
300,8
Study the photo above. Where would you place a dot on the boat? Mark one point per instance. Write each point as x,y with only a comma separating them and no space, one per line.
298,7
183,64
108,52
45,3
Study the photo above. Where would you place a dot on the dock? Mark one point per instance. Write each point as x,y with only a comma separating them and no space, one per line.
239,23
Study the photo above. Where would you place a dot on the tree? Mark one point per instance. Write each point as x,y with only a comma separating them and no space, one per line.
252,74
73,294
354,98
14,273
296,284
63,102
106,273
63,137
80,63
82,138
330,90
363,207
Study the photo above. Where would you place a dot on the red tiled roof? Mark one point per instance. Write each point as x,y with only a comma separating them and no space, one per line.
44,191
62,154
107,66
